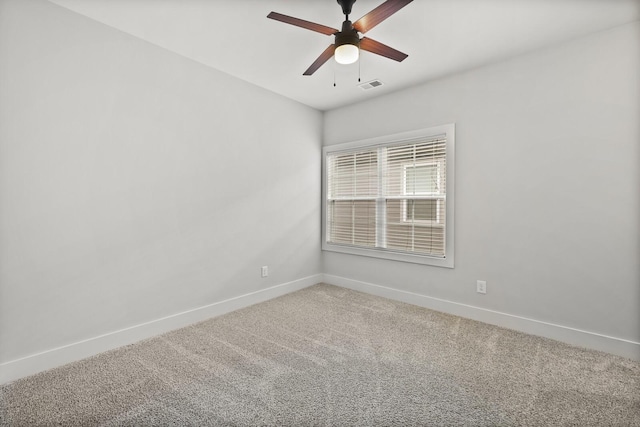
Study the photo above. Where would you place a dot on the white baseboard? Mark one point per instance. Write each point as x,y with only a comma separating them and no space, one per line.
32,364
577,337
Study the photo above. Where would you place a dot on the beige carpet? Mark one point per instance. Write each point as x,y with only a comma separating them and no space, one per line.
331,356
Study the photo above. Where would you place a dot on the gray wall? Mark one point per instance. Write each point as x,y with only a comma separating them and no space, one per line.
135,184
547,173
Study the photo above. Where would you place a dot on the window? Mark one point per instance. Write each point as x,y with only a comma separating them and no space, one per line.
425,182
391,197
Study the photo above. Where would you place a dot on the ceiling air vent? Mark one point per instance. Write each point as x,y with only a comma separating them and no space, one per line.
370,85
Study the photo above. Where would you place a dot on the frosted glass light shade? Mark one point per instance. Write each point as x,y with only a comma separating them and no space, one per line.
347,54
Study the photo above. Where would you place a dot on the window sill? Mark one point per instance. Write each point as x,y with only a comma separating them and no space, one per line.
389,255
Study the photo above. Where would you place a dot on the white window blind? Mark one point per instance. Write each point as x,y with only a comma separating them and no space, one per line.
390,198
353,190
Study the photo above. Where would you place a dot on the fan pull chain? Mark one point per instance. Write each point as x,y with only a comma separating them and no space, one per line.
359,61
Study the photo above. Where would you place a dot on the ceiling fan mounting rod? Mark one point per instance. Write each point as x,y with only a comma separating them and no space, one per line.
346,6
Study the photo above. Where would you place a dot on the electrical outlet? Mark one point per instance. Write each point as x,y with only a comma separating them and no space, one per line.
481,287
265,271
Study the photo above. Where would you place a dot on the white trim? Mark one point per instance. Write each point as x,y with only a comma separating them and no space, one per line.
578,337
34,363
447,261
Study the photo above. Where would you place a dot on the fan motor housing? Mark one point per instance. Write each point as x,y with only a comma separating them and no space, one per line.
348,35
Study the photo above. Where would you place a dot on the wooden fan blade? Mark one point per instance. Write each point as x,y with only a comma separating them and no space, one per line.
302,23
379,14
378,48
324,57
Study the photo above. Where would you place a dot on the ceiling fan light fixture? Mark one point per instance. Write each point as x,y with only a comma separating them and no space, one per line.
347,54
347,44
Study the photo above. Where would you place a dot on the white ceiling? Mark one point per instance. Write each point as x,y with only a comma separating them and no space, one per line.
440,36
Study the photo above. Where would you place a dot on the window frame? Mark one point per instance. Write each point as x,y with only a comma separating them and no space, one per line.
448,131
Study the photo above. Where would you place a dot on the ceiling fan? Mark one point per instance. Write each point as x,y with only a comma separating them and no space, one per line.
348,43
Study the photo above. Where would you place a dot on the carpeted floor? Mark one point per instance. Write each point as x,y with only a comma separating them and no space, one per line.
331,356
